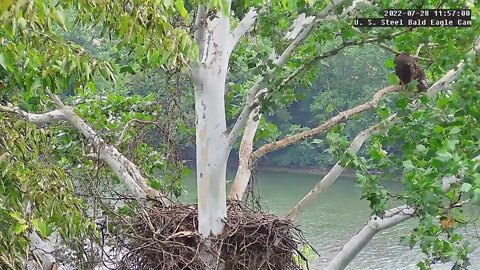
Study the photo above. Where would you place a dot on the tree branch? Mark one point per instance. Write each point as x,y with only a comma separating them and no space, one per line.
341,117
200,31
418,49
331,53
277,63
337,169
376,224
38,119
243,27
123,168
244,171
127,126
363,136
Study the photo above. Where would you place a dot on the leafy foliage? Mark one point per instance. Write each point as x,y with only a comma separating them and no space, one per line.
439,140
36,194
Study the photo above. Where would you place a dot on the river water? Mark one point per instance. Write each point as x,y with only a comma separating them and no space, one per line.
334,218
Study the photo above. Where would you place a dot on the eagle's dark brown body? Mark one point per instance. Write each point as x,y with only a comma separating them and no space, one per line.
407,69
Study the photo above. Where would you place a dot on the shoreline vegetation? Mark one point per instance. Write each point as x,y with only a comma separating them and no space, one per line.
310,170
289,169
303,170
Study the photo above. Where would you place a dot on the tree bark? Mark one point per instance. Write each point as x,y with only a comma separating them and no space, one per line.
211,153
244,171
42,250
212,150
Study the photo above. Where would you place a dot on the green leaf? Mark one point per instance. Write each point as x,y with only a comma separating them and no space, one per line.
330,108
165,57
455,130
154,184
59,18
444,156
180,7
452,144
389,64
87,70
6,60
438,129
421,148
184,42
383,112
442,102
5,4
466,187
22,23
17,216
401,103
377,153
41,227
422,266
36,84
19,228
91,86
408,165
124,22
392,79
34,101
128,69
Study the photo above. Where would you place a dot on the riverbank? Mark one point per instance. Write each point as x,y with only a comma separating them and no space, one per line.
303,170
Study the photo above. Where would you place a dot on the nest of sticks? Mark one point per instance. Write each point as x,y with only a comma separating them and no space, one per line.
167,238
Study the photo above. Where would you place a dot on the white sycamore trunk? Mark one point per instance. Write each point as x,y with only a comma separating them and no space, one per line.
212,152
212,146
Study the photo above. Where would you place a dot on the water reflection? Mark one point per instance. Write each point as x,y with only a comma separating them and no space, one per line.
334,218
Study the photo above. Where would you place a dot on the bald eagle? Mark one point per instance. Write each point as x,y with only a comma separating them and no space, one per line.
407,69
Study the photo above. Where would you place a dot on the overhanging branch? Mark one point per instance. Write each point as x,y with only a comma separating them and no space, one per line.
339,118
337,169
392,217
376,224
124,169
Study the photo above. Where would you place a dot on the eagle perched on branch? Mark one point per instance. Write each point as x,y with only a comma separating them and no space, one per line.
407,69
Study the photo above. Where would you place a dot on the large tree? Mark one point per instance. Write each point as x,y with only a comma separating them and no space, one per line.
205,41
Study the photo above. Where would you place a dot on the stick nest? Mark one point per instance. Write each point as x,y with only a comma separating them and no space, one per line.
166,237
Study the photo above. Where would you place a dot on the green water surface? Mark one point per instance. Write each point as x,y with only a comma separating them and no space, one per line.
333,219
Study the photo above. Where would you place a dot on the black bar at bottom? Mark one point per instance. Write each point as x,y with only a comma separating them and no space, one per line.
413,22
